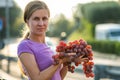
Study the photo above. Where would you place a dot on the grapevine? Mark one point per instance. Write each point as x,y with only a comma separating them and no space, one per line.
81,49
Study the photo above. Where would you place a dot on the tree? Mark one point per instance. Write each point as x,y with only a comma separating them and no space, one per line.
101,12
94,13
15,15
61,27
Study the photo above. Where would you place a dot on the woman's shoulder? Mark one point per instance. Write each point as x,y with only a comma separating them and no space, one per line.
23,43
24,47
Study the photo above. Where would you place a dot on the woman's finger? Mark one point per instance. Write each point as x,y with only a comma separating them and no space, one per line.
71,54
84,59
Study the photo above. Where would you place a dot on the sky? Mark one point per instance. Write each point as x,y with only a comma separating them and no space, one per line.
57,7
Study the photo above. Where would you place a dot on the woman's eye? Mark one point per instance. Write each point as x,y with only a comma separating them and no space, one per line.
45,18
36,18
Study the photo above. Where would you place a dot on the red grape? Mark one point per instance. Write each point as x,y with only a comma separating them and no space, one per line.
82,49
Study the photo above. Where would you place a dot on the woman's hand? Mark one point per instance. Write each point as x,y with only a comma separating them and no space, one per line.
68,57
81,59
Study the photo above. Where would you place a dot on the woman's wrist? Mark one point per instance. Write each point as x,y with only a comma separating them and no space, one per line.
65,65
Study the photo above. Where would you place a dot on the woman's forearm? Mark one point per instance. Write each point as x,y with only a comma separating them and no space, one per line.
49,72
46,74
63,72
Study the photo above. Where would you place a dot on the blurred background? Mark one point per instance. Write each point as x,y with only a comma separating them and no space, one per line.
96,21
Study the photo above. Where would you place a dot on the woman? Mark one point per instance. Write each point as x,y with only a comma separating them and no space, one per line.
33,53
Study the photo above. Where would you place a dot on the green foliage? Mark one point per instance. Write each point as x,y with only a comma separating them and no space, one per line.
109,47
117,49
15,20
91,14
101,12
83,31
74,36
58,26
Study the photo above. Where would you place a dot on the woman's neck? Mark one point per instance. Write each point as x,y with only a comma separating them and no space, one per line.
40,39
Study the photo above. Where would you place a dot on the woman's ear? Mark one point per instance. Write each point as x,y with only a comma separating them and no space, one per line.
27,22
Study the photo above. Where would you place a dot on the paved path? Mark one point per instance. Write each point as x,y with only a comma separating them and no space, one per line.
76,76
70,76
4,75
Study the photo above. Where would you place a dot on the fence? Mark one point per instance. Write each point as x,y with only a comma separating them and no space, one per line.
9,64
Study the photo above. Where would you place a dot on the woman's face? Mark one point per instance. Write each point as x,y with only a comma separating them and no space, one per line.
38,22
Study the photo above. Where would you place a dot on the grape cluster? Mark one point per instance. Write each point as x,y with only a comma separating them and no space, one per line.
81,49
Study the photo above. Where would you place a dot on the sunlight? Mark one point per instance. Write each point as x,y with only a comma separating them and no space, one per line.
59,6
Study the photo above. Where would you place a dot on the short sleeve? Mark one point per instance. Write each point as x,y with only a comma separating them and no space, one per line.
23,47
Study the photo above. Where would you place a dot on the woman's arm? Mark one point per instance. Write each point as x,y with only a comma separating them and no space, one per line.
28,60
63,72
64,69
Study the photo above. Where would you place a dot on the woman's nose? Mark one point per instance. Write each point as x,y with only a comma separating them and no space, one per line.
40,22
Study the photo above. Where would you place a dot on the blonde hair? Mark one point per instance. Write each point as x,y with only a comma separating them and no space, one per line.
32,7
21,69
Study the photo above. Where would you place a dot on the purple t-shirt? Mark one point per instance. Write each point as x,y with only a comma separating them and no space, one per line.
43,55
